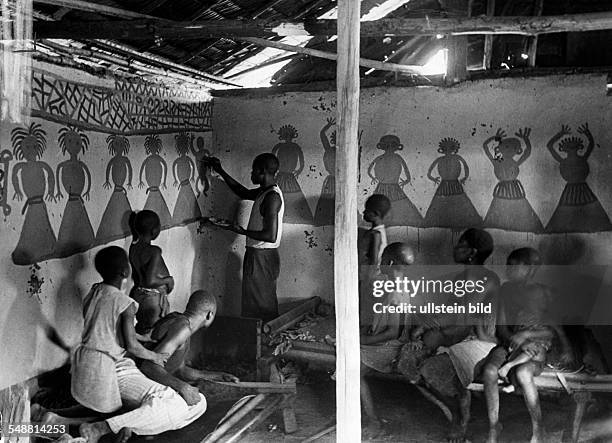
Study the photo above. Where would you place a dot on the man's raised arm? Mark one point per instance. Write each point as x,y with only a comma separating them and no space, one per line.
237,188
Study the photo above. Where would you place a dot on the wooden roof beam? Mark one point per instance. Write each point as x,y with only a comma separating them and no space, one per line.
148,29
96,8
367,63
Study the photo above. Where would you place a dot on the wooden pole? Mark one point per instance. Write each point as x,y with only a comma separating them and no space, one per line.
234,419
150,28
533,43
375,64
96,8
488,44
348,406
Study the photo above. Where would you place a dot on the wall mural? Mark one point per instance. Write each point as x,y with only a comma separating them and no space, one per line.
155,169
387,170
579,209
510,209
132,107
5,159
34,178
186,209
325,211
291,164
450,206
75,233
114,224
203,171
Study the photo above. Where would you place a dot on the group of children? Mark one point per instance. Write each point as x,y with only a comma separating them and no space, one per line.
129,373
516,336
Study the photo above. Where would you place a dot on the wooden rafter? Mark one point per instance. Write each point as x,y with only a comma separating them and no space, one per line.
147,29
97,8
375,64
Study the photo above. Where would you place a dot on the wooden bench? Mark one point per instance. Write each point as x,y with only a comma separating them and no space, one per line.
580,386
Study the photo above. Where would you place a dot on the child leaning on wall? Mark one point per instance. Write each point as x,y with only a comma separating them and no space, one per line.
370,248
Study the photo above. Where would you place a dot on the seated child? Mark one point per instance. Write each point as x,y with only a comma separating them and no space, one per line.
171,335
371,246
472,250
525,339
381,344
152,281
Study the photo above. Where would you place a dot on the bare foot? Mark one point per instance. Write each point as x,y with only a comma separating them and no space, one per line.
92,432
51,418
373,430
537,437
37,412
494,432
124,435
457,434
503,372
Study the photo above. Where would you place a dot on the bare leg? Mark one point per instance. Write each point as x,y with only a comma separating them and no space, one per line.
490,376
524,376
374,426
519,360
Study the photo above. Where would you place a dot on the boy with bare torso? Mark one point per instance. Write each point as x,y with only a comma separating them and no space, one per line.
152,281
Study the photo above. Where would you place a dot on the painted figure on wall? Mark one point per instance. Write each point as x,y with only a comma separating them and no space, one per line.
450,206
75,233
510,209
386,171
155,170
114,224
325,212
199,154
186,209
291,164
579,209
5,159
35,178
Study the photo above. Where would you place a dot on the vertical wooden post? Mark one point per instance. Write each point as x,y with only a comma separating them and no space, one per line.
348,408
488,45
533,43
456,60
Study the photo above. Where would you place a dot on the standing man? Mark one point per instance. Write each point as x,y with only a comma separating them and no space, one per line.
261,265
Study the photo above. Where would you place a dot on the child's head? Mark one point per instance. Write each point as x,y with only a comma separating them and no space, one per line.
474,247
265,166
448,146
377,206
112,264
396,254
202,307
390,143
147,224
522,264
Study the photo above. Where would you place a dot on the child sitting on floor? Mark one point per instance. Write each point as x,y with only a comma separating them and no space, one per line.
152,281
381,344
526,337
371,246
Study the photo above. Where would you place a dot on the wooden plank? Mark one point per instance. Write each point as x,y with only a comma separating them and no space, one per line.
348,404
488,44
90,6
291,317
533,43
374,64
147,28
